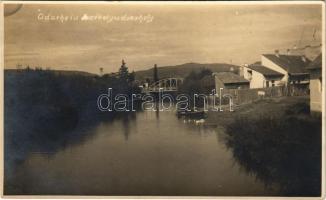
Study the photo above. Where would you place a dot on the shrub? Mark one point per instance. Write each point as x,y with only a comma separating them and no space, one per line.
285,151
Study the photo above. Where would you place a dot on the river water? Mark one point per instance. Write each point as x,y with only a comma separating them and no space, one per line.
148,154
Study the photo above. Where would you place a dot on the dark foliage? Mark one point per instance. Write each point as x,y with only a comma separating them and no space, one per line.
284,152
155,73
192,85
43,107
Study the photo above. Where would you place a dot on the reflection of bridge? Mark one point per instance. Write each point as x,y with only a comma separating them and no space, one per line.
167,85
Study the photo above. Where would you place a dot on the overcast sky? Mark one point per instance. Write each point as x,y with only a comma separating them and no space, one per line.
177,34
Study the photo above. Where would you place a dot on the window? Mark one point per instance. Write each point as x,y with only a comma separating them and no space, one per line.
273,83
267,83
249,74
320,84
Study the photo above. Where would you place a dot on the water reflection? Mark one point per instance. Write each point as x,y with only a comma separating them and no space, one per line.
134,155
157,112
21,142
126,120
156,153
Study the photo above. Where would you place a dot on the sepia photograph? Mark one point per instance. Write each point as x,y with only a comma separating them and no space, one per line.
163,99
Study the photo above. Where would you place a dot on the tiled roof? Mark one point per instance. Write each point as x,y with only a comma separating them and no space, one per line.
229,77
316,64
264,70
293,64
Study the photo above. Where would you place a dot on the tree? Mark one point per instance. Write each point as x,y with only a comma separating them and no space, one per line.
123,72
192,84
155,75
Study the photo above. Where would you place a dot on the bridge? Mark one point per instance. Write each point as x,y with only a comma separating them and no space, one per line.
167,85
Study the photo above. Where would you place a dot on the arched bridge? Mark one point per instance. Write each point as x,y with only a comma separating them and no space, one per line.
167,84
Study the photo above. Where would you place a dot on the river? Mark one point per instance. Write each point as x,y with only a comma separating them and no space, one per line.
150,153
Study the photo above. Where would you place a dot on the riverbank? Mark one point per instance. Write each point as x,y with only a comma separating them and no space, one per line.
271,107
277,141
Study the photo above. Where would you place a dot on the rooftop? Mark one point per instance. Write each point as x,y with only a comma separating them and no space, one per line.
229,77
293,64
316,63
264,70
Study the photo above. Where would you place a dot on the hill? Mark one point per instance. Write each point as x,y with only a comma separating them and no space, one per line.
184,69
57,72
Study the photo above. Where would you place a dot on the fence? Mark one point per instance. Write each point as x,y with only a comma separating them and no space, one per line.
240,96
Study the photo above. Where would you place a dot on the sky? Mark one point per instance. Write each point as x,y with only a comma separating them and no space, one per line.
169,34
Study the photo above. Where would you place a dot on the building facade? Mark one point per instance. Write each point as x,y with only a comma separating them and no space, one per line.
261,76
316,86
293,67
229,80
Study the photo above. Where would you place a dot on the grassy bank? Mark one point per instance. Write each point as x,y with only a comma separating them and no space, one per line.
278,142
272,107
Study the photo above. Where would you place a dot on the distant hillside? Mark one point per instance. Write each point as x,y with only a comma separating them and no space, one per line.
58,72
184,69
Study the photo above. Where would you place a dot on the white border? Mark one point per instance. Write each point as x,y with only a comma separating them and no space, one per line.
166,3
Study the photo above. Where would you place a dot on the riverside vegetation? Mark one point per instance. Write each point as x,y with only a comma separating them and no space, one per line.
42,107
278,142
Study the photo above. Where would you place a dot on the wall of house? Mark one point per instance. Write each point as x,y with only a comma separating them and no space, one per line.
237,86
218,84
271,65
315,91
245,74
258,80
277,81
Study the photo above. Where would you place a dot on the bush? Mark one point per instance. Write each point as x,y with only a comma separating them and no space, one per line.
283,151
298,108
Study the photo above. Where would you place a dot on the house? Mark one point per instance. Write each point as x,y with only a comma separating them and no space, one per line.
315,69
260,76
230,80
293,67
207,83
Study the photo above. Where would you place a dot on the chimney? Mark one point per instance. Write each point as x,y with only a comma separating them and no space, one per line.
288,52
277,53
241,71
